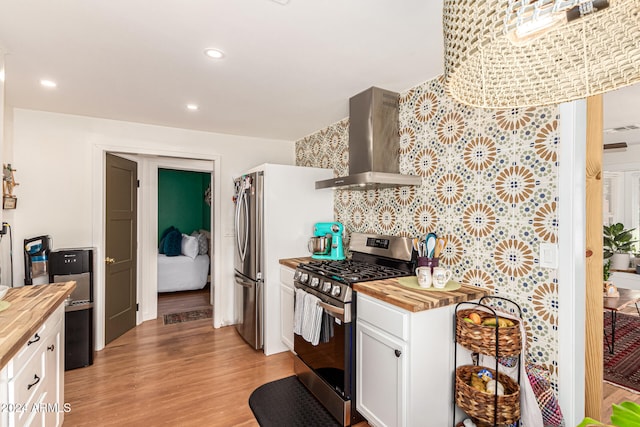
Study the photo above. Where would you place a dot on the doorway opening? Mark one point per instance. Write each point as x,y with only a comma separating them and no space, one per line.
149,161
184,217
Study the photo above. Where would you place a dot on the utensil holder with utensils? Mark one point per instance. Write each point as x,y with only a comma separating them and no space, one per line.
428,262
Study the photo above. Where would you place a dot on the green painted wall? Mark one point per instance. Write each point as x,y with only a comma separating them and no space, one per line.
181,200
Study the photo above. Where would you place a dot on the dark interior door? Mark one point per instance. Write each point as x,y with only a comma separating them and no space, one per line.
121,247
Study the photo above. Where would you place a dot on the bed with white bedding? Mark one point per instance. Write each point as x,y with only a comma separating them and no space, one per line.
182,273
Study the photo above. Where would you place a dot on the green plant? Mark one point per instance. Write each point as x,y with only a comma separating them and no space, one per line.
606,273
626,414
617,240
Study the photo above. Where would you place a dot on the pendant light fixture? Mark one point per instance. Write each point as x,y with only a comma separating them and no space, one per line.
520,53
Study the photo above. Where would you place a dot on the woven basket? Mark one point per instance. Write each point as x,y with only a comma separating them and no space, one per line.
482,339
480,404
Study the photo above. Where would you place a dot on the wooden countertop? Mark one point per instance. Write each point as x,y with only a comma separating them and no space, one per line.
30,307
414,300
293,262
626,270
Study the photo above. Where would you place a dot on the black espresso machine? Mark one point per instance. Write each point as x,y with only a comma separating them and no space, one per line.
78,265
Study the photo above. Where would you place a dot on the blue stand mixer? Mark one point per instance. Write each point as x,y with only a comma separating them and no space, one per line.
327,241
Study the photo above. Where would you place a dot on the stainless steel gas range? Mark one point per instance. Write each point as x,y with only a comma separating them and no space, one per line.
327,368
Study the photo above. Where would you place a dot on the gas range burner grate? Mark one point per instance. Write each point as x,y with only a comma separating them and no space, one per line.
348,271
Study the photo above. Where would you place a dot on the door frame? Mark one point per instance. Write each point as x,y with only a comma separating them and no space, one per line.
571,266
149,310
147,237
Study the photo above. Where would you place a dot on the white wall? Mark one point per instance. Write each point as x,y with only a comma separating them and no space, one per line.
622,159
53,156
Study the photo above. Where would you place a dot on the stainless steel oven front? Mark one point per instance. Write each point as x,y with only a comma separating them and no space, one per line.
328,368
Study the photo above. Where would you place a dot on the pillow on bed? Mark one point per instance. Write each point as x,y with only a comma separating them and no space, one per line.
189,246
207,234
173,243
203,244
164,235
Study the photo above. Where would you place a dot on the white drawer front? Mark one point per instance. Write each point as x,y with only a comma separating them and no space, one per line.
286,276
31,348
383,316
25,388
35,342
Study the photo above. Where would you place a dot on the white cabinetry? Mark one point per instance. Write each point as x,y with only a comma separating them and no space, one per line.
404,364
287,293
32,382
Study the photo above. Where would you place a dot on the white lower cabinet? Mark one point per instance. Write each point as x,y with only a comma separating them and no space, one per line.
32,382
287,297
381,376
404,364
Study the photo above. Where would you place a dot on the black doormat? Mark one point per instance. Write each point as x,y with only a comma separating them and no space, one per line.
288,403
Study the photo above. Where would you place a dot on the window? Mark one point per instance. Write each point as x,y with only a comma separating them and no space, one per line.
621,200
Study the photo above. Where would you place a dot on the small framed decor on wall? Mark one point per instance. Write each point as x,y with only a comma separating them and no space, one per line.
9,202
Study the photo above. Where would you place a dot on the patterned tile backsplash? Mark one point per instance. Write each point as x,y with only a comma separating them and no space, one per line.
489,185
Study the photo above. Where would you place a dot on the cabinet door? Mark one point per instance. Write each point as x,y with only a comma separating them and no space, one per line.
286,315
53,373
380,376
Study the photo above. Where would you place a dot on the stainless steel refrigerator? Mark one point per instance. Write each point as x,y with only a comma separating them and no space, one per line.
276,207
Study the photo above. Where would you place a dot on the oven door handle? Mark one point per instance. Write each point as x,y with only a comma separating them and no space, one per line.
332,308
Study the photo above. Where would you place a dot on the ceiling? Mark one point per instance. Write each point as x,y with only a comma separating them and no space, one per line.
289,69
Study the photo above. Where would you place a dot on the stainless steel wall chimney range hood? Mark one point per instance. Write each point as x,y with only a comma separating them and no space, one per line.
374,144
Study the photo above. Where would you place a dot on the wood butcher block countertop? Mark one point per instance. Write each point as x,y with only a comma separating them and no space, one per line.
30,307
293,262
413,300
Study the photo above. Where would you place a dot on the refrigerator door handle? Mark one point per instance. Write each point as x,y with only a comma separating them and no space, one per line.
242,203
237,220
246,223
244,284
243,281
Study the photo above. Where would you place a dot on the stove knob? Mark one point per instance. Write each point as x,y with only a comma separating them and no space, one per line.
297,275
335,291
315,282
326,287
304,278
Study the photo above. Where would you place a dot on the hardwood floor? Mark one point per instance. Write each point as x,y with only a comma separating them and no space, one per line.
174,302
613,394
187,374
184,374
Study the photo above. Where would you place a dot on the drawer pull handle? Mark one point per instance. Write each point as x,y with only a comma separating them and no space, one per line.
398,353
51,347
36,380
35,339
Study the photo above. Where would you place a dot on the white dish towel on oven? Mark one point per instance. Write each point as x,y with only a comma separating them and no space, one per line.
312,320
298,311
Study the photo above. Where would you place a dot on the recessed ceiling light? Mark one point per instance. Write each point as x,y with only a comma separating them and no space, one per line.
48,83
192,107
214,53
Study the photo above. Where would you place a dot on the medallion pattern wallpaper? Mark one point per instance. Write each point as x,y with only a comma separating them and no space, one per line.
489,185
